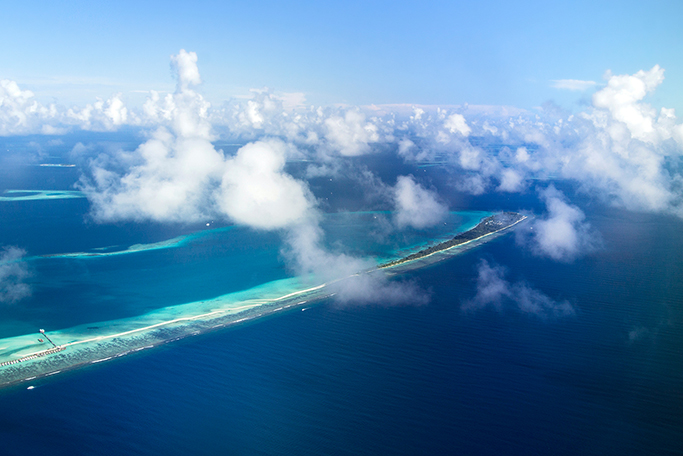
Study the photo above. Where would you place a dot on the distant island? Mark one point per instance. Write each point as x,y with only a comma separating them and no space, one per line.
488,225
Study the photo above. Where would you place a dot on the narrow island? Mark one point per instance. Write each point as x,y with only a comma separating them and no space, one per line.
487,226
23,359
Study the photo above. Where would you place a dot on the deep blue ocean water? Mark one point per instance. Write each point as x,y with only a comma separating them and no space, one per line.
357,379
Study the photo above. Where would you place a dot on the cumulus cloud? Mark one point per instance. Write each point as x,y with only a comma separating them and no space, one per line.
174,172
99,116
620,150
477,170
627,150
172,183
178,175
622,98
474,184
455,123
20,113
472,158
350,135
13,273
265,111
327,133
562,234
306,252
493,289
256,192
416,206
185,65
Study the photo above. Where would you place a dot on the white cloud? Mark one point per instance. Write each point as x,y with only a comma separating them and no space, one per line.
256,192
626,149
13,273
494,290
620,150
185,66
20,113
185,111
573,84
174,172
416,206
100,116
455,123
173,182
157,111
522,155
511,181
306,253
178,175
352,280
375,288
471,158
350,135
562,234
332,131
264,108
405,147
622,98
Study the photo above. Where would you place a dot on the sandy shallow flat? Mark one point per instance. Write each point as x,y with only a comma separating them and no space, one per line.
24,357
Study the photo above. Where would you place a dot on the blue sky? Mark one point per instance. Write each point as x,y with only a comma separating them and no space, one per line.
447,53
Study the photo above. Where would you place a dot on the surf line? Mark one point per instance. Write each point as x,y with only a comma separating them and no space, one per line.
401,261
254,303
194,317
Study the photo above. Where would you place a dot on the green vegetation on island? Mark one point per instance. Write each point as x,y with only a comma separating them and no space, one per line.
488,225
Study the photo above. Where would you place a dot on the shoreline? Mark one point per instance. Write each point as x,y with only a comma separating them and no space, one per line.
194,317
452,243
82,349
80,353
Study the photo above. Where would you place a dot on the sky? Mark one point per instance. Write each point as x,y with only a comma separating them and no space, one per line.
353,52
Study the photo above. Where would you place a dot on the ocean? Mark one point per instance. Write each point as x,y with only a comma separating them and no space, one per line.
349,379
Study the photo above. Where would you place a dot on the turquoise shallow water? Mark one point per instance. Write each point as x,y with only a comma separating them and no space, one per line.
75,288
